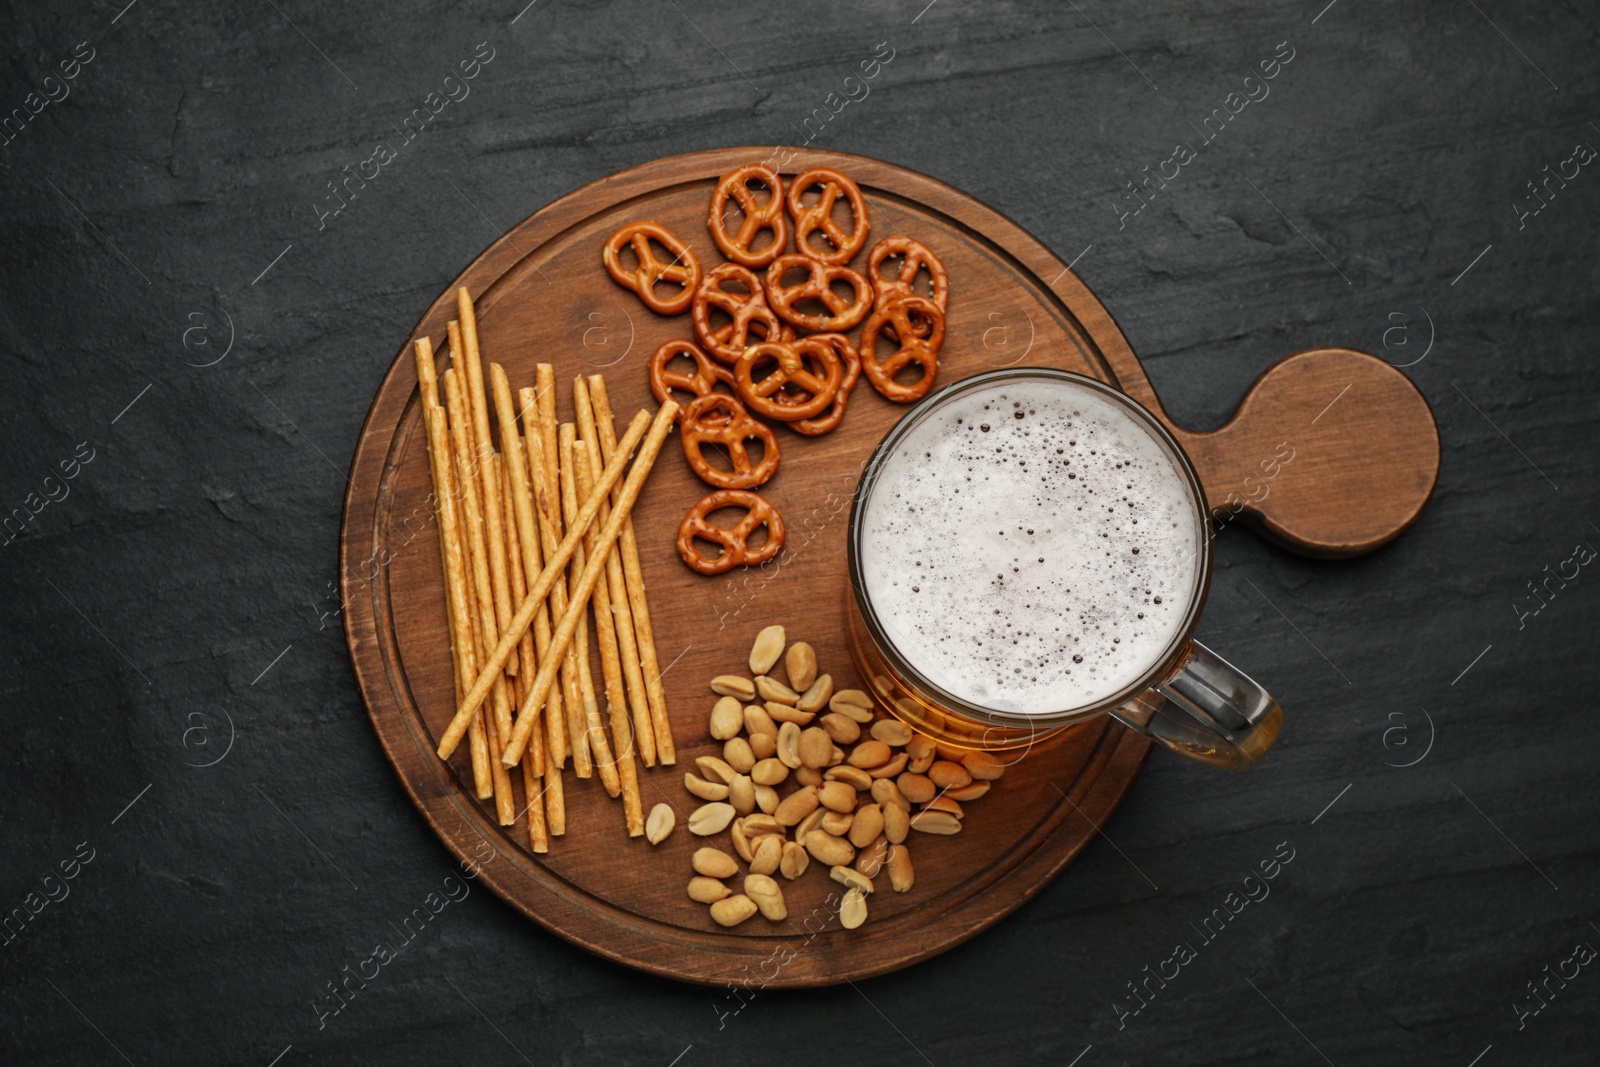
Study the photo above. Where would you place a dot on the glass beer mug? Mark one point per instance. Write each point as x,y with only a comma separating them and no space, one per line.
1169,686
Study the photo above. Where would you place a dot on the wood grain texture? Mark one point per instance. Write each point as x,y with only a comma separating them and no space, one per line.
540,291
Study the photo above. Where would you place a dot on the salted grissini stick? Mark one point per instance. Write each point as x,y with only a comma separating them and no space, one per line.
650,666
490,668
548,471
457,597
460,423
616,704
593,731
533,760
591,573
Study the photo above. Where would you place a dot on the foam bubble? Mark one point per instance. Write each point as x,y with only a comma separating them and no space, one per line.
1030,548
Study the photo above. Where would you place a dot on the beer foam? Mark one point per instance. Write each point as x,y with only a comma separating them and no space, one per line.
1030,548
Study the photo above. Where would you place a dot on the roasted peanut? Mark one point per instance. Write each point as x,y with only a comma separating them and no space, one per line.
885,792
660,823
851,878
935,822
869,754
801,664
841,728
789,745
796,806
815,746
838,796
867,826
852,703
760,823
742,794
808,776
769,771
896,823
707,890
947,775
766,650
983,766
703,789
741,840
768,896
736,753
809,823
968,792
713,863
782,713
816,697
917,788
892,768
727,718
731,685
764,746
712,818
795,860
869,860
775,692
944,803
757,721
825,848
836,823
767,798
713,769
852,910
765,853
854,776
731,911
891,732
901,875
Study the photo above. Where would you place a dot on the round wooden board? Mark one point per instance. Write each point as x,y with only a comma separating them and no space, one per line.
543,296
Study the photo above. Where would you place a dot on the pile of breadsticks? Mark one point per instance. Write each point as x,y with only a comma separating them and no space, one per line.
531,536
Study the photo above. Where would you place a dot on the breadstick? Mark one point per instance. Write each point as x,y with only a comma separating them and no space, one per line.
538,837
550,502
594,734
524,659
489,668
471,368
457,612
554,713
471,523
621,610
608,537
631,570
593,729
460,421
616,706
505,804
488,628
580,643
533,761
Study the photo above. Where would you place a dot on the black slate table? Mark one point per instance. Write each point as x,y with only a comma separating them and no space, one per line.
194,323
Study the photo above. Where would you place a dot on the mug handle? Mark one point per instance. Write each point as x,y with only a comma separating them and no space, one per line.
1208,710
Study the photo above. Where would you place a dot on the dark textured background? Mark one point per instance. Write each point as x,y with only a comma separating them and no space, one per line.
198,545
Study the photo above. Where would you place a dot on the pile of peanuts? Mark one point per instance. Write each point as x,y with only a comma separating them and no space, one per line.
850,754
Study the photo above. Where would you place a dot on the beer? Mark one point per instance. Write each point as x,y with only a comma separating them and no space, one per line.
1031,548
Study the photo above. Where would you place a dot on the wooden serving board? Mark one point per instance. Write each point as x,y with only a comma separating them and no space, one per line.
543,296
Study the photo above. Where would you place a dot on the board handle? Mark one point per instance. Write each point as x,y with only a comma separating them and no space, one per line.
1331,454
